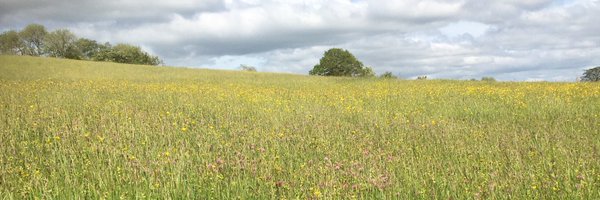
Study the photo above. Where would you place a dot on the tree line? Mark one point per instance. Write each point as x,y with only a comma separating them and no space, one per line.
35,40
340,62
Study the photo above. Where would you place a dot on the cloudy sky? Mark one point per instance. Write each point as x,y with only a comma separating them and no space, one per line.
511,40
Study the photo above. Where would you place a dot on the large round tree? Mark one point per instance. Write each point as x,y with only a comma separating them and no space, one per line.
340,62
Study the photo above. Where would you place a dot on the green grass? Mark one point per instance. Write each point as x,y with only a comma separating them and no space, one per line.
78,129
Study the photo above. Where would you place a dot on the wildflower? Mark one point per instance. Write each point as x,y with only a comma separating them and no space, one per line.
316,192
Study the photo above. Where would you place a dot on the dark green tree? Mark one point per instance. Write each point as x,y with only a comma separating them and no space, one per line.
340,62
591,75
125,53
10,43
32,37
61,44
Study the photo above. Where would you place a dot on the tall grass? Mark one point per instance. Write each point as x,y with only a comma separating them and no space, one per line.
75,129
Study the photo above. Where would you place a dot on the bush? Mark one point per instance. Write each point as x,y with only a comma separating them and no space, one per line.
388,75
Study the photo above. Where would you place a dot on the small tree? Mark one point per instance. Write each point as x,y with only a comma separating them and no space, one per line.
247,68
340,62
388,75
591,75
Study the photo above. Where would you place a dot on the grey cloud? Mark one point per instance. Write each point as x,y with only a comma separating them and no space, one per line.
134,12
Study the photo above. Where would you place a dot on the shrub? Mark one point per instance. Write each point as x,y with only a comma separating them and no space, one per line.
388,75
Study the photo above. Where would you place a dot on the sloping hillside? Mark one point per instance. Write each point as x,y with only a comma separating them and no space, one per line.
80,129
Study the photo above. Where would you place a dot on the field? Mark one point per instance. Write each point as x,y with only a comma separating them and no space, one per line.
76,129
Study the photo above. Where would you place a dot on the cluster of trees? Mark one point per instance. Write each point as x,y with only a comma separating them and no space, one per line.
35,40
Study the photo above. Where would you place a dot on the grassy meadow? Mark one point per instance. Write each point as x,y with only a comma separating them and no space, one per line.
78,129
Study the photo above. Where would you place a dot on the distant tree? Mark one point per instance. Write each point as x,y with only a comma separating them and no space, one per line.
488,79
247,68
33,39
61,44
388,75
10,43
422,78
591,75
89,48
340,62
125,53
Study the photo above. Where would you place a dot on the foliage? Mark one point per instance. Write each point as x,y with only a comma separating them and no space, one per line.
422,78
10,44
34,40
62,44
125,53
91,130
340,62
366,72
89,48
388,75
247,68
591,75
32,37
488,79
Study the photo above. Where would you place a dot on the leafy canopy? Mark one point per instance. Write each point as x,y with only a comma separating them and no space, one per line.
32,37
10,43
125,53
340,62
61,44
